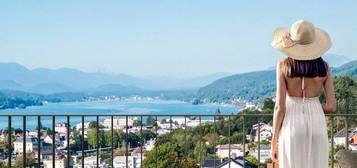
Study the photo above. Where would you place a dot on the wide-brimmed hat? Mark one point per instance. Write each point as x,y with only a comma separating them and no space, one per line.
302,41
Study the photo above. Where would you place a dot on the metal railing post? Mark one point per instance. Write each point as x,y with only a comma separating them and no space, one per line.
68,142
346,127
258,143
24,141
214,140
39,141
243,140
53,142
10,141
332,142
112,140
142,141
126,140
82,128
97,139
229,141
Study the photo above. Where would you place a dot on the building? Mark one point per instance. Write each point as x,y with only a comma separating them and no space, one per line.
31,144
120,162
91,162
60,162
61,127
265,132
339,138
118,123
223,151
228,163
264,153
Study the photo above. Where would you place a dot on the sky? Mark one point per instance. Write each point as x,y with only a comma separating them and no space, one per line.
176,38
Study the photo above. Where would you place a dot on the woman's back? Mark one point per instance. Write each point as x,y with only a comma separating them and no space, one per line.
312,86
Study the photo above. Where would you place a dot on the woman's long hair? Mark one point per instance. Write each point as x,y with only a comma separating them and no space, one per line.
307,68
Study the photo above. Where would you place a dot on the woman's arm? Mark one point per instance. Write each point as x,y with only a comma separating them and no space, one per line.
330,105
280,107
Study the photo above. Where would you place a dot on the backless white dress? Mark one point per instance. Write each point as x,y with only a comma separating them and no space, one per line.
303,140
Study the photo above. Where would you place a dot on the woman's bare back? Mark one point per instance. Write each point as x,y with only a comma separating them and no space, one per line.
312,86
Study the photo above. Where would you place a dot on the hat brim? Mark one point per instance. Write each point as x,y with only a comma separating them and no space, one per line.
316,49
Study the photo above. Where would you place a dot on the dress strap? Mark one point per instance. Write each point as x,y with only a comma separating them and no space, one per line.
303,89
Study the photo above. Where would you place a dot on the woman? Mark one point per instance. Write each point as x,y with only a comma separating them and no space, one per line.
299,127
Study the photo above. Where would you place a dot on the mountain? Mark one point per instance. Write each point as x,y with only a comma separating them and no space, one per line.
48,88
47,81
17,77
9,84
336,60
253,86
164,82
332,59
348,69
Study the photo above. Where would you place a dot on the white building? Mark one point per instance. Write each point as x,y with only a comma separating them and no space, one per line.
91,162
120,162
149,145
264,153
61,127
265,132
118,123
339,138
223,151
31,144
60,162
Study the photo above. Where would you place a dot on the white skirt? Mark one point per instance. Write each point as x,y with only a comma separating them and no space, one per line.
303,140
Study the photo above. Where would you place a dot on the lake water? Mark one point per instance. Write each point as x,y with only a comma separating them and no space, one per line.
107,107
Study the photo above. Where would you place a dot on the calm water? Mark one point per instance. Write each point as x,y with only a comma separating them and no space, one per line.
107,107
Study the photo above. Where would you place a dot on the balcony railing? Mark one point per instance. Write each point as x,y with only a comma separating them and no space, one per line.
126,117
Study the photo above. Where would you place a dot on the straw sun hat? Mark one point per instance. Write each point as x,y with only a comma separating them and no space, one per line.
302,41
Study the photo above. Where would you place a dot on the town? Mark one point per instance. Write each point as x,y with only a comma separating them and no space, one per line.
131,140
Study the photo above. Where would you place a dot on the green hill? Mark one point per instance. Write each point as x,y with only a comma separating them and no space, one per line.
253,86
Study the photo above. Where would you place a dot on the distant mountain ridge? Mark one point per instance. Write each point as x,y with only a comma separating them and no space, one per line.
253,86
48,81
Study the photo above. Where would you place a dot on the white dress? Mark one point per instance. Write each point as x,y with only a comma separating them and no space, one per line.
303,140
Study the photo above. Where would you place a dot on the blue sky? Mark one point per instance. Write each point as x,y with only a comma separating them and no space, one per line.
178,38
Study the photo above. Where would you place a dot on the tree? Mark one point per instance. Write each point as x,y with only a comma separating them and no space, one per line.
30,160
77,145
147,135
118,137
93,124
252,159
4,144
150,121
92,138
268,103
200,152
168,155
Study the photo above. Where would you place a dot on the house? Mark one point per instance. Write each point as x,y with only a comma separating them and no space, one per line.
60,162
91,162
149,145
265,132
120,162
138,151
339,138
118,123
61,127
354,138
58,142
31,144
232,163
223,151
264,153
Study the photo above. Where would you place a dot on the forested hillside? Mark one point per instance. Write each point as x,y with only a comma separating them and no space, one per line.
253,86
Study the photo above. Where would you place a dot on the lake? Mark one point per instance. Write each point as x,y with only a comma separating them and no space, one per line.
108,107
